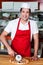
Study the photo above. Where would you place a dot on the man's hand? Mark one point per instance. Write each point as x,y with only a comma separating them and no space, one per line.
34,58
11,52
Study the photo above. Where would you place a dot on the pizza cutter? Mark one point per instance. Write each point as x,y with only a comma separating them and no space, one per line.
18,58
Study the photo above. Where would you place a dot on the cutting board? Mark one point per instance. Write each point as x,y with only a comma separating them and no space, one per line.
4,60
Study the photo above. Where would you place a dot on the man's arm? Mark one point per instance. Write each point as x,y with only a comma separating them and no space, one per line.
3,39
36,43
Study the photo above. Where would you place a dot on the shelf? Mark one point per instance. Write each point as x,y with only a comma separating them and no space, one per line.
4,51
41,29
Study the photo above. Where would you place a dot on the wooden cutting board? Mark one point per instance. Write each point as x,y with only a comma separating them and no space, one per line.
4,60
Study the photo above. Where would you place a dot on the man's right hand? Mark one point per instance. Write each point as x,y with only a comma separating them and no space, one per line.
11,52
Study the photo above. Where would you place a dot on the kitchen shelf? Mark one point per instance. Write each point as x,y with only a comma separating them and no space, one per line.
4,51
41,29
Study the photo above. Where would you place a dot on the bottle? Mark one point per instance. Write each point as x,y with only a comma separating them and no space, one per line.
2,46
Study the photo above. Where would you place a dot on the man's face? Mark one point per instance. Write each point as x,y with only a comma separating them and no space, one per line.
25,13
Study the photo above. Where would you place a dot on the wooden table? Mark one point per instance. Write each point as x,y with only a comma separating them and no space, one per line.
4,60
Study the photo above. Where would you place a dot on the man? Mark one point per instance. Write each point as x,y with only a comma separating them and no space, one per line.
22,29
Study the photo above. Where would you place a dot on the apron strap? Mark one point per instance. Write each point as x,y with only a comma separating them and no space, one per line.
18,24
29,25
30,30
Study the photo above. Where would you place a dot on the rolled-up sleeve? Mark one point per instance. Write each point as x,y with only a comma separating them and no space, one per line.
34,27
8,27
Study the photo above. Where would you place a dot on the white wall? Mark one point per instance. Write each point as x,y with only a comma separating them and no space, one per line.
7,6
41,6
33,5
16,5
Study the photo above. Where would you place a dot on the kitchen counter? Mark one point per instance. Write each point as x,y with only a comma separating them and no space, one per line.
4,60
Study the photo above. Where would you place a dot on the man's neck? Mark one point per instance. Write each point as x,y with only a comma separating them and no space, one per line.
23,21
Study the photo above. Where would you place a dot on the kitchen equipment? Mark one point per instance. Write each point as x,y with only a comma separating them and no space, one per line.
18,58
2,46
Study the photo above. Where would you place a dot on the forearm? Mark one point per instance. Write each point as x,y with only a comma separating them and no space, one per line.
36,44
11,52
35,47
3,39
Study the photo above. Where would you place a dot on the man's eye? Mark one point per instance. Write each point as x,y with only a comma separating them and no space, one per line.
27,12
23,11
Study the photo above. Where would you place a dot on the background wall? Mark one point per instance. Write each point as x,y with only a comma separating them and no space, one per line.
15,6
40,1
41,6
14,0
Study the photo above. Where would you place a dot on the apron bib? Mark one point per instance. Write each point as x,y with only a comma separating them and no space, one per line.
21,42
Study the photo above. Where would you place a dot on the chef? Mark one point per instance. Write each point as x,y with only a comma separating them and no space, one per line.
22,29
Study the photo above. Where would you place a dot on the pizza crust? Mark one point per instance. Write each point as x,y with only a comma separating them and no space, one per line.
23,61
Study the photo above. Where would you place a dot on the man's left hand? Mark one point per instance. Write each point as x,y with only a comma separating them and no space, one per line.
34,58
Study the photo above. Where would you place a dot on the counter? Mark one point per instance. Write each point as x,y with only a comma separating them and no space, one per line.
4,60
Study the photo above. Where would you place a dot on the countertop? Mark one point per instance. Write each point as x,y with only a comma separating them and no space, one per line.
4,60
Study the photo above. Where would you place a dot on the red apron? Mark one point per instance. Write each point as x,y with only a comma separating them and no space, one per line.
21,42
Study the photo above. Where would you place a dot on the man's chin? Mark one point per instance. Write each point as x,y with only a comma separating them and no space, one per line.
25,19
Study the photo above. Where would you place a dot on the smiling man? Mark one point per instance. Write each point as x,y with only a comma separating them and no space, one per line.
22,29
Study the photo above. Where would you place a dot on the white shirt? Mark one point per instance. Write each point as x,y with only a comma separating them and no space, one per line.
12,27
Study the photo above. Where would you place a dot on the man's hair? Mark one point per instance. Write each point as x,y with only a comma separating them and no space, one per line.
29,10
